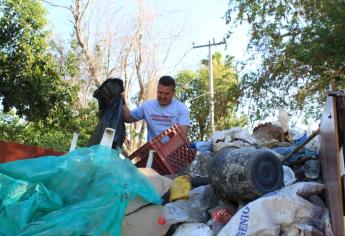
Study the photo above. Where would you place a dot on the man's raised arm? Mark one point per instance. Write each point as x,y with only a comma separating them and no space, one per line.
127,115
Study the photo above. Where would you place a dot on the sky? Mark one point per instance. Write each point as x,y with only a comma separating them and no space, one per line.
200,20
205,23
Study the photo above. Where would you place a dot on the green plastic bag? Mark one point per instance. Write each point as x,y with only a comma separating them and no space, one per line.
84,192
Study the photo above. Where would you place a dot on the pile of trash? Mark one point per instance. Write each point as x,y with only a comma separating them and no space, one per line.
264,183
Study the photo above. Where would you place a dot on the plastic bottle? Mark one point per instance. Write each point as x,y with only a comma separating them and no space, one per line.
202,198
221,215
198,168
312,169
181,211
220,218
202,145
192,210
312,149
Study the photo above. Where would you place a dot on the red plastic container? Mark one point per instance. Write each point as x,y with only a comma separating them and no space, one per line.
170,156
14,151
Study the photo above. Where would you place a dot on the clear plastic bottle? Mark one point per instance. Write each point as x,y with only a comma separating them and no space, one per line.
176,212
192,210
312,169
312,149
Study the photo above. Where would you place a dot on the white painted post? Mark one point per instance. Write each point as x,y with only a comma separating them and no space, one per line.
108,137
150,159
74,142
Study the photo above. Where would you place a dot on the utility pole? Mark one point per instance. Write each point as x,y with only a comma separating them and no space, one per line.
210,72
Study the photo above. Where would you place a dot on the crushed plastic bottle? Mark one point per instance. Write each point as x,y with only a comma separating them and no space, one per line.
199,167
181,211
202,198
192,210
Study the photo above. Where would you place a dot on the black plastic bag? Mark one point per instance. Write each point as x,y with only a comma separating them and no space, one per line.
110,103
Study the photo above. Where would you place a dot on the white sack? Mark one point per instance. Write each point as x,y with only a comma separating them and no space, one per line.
282,212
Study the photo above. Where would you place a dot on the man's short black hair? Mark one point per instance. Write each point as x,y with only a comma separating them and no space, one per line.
167,80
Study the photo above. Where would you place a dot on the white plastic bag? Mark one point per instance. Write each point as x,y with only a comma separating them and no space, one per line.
282,212
193,229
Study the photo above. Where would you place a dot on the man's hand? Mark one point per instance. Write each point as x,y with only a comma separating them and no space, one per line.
127,114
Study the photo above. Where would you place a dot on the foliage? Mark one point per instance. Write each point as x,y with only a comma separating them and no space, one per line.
300,46
29,80
39,107
56,136
193,89
68,59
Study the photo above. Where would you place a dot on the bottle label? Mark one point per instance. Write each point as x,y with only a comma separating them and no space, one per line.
222,215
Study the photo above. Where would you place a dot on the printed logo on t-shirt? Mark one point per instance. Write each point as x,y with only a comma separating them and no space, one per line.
162,118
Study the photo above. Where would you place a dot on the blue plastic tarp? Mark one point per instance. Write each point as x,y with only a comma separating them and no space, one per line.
84,192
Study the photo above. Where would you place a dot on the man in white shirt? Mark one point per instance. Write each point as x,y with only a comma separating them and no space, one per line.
161,113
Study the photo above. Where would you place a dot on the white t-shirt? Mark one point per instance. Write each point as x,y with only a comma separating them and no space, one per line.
160,118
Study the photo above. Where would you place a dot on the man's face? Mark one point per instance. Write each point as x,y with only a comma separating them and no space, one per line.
165,94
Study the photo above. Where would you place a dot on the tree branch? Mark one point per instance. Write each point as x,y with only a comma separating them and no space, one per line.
56,5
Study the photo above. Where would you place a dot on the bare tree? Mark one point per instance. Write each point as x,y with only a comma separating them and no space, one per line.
136,52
